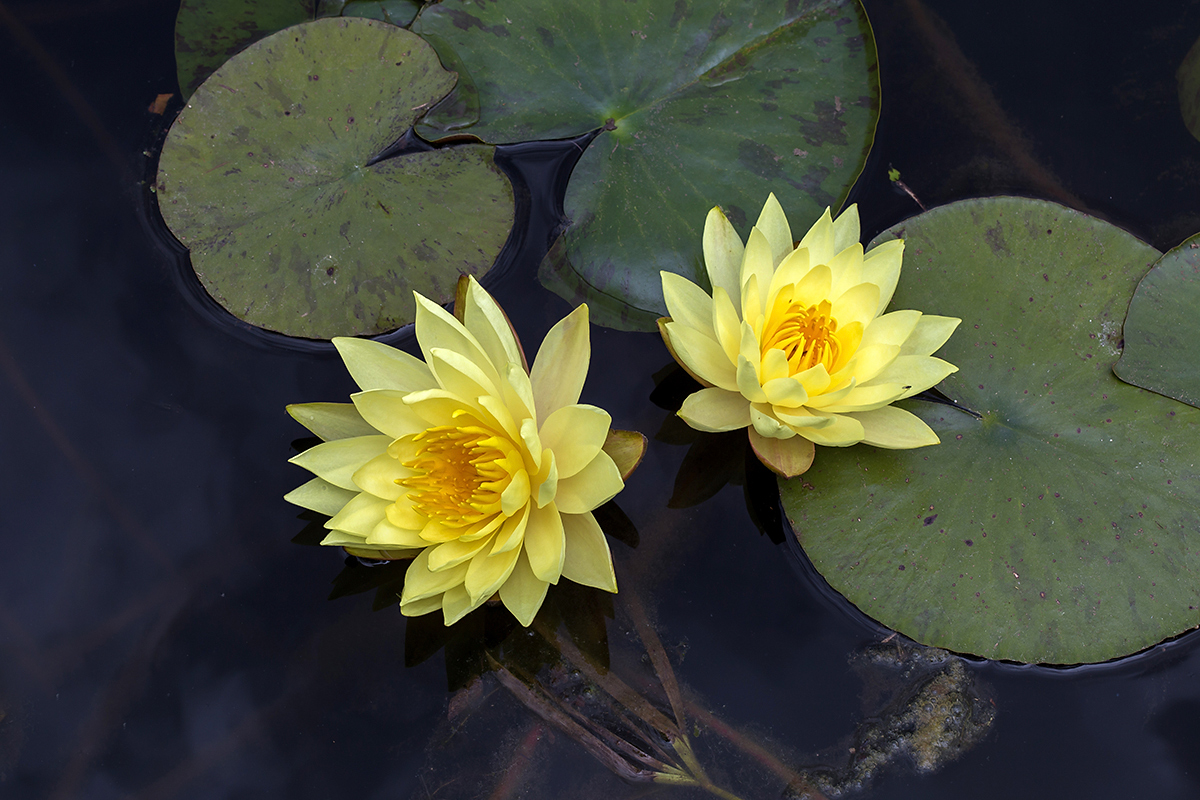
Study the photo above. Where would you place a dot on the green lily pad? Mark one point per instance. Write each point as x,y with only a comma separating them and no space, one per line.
209,32
269,178
1162,327
704,102
1063,524
1188,79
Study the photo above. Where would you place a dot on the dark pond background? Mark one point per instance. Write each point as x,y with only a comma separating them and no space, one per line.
161,636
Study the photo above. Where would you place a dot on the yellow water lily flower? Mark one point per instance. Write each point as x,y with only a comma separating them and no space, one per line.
793,345
484,472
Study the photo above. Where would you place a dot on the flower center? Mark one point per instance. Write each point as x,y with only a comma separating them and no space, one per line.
805,335
461,474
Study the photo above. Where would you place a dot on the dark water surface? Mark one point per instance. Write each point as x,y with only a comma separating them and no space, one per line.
161,636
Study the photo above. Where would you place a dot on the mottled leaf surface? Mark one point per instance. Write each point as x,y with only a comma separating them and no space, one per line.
1163,327
1063,525
209,32
268,178
708,102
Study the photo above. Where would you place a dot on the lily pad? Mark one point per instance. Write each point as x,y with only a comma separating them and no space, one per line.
1163,326
1188,79
1063,524
272,179
209,32
703,102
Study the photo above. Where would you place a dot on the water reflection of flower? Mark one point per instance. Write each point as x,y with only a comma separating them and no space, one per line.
792,344
485,472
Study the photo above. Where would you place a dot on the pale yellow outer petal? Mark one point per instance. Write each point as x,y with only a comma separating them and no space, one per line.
687,303
767,425
723,250
457,603
785,392
417,608
561,364
460,376
716,410
376,366
785,457
727,324
881,266
701,354
389,536
846,229
487,573
438,329
918,373
359,516
774,226
931,332
588,560
379,475
575,434
758,266
894,328
894,428
331,420
846,267
386,412
545,543
420,582
866,398
451,554
820,240
512,533
523,593
343,539
321,496
485,320
592,486
337,461
842,431
857,304
868,362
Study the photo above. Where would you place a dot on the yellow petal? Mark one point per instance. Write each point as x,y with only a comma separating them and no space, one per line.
687,303
846,229
438,329
451,554
457,603
842,431
518,392
767,425
483,317
758,267
786,392
575,434
794,267
321,496
343,539
774,366
846,267
916,373
931,332
814,286
487,572
512,532
337,461
714,410
748,382
894,428
866,398
459,375
387,535
868,362
856,305
594,485
801,418
785,457
820,240
359,516
774,226
723,251
439,407
588,560
701,354
376,366
379,475
424,606
546,482
402,515
420,582
545,543
386,411
815,380
523,593
828,398
881,266
561,364
727,324
894,328
331,420
516,494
